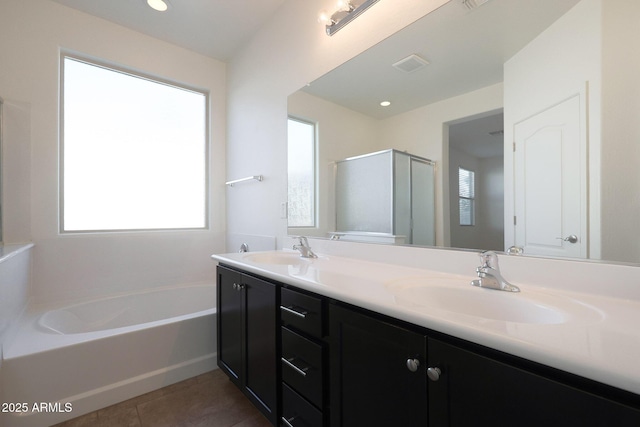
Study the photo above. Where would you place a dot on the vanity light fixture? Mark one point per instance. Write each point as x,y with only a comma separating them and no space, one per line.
159,5
472,4
346,11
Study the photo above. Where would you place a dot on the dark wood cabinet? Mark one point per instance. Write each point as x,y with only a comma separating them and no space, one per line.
230,324
377,372
247,337
475,390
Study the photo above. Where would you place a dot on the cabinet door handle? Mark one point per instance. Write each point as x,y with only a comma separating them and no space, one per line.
413,364
434,373
302,314
238,287
289,362
287,422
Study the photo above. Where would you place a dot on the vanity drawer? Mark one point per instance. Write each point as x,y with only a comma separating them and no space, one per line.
302,365
297,412
301,311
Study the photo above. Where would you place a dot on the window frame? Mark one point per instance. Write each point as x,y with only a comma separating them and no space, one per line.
314,173
64,54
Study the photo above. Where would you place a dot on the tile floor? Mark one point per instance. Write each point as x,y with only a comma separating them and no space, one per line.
208,400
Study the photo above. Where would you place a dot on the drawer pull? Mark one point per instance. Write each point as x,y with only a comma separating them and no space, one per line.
287,422
302,314
289,362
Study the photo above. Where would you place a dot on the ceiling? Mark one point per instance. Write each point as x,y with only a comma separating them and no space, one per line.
215,28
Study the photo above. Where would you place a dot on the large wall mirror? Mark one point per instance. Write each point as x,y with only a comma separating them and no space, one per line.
527,108
1,150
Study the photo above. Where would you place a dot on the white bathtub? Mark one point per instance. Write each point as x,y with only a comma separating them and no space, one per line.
92,354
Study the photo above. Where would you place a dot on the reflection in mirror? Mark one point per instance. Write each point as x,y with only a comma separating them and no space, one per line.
385,197
1,134
558,76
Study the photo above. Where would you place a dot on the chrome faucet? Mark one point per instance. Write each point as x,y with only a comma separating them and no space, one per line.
304,248
489,274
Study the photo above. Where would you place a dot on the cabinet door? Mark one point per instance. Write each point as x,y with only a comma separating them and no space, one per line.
474,390
370,382
261,320
230,321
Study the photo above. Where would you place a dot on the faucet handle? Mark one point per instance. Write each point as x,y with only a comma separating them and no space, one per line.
489,259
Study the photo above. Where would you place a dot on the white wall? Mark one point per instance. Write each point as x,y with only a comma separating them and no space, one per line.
492,206
487,233
620,131
16,172
291,50
31,36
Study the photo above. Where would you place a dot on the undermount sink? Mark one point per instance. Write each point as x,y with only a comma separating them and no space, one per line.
489,304
276,258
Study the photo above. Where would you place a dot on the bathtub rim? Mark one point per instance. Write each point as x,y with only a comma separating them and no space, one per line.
21,345
41,326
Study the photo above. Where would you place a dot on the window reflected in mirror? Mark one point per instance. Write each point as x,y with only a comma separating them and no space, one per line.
301,173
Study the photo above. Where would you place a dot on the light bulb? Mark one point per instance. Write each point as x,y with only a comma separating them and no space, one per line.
385,103
159,5
344,6
324,17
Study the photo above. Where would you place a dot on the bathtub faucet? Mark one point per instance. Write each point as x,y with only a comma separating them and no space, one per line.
304,248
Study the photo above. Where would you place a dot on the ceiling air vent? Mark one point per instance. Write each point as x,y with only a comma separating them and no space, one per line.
411,63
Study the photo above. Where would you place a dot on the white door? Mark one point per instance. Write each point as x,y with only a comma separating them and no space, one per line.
550,182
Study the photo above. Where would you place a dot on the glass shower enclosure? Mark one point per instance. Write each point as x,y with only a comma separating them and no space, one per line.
387,193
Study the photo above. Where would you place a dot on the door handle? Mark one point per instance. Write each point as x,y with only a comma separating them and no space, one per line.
571,239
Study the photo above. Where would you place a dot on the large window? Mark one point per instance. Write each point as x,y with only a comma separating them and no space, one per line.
134,151
301,167
467,194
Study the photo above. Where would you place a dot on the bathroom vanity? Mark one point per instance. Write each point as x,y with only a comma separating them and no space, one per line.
347,343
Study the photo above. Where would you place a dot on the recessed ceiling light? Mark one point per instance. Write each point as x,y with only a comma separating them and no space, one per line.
159,5
385,103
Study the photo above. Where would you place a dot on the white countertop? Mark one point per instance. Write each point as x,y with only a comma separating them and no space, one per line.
591,335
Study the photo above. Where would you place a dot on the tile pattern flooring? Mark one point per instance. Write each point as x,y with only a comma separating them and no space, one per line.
208,400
